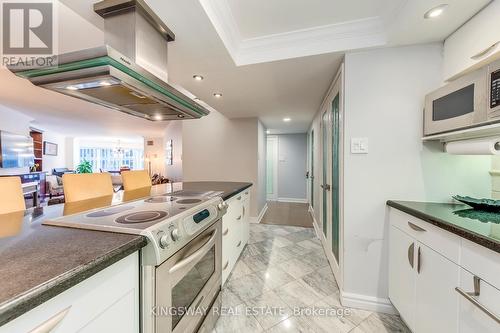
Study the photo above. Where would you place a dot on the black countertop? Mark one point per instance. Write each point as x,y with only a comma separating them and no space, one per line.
38,262
479,227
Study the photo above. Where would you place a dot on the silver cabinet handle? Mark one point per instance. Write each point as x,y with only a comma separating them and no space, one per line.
419,260
239,244
243,210
485,51
225,232
239,198
238,218
411,251
246,193
325,187
470,297
51,323
415,227
225,266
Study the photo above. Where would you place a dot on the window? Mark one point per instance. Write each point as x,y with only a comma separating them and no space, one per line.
108,159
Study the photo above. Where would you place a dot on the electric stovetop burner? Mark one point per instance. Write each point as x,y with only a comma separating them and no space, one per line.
110,211
160,199
142,217
188,201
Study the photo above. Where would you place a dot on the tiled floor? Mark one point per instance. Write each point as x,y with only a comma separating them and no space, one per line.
282,283
288,213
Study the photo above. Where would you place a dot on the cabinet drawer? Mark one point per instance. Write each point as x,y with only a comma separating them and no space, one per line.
471,317
441,241
483,262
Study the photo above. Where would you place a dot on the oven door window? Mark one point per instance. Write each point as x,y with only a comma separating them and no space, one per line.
456,104
191,285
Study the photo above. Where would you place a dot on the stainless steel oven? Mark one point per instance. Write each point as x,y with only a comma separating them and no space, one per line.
179,294
458,105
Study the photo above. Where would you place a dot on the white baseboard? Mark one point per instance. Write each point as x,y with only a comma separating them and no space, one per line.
257,219
367,303
294,200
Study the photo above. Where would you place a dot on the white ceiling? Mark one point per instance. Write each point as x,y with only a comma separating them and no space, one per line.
258,18
290,50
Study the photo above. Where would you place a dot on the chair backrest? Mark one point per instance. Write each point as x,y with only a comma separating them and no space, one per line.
133,180
11,195
84,186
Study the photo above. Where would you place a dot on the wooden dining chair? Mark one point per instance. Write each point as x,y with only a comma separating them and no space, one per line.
11,195
84,186
133,180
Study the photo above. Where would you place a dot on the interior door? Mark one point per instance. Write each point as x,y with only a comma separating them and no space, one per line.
326,176
336,176
272,168
311,164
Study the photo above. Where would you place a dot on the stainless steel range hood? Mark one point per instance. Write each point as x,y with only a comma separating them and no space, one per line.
119,75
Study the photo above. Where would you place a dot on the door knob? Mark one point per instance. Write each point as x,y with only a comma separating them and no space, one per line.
325,187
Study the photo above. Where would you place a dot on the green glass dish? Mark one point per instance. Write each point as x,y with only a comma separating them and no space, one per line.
488,205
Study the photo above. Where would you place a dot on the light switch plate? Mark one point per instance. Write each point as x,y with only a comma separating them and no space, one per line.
359,145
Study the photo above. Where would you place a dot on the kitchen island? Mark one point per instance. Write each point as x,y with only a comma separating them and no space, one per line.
39,262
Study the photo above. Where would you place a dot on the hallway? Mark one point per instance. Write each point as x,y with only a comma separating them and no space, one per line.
288,213
282,283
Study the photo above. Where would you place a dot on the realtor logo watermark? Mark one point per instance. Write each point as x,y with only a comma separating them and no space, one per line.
28,33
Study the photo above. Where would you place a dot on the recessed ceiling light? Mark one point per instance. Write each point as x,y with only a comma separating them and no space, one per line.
157,117
436,11
72,88
198,77
104,83
217,95
181,116
287,119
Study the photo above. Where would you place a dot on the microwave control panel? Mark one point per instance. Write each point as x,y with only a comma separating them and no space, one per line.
495,89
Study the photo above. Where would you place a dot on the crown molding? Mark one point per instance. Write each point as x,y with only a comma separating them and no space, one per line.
364,33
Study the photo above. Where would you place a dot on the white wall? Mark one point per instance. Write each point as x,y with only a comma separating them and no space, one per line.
174,132
292,162
156,154
384,95
215,148
59,161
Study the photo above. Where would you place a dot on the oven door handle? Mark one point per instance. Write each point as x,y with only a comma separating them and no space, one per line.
195,256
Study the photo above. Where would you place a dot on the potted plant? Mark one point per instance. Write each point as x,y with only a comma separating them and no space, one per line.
84,167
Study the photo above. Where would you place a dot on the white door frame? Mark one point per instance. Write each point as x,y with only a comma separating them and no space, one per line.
273,139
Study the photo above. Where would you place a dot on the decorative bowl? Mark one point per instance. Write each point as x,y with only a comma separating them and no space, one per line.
488,205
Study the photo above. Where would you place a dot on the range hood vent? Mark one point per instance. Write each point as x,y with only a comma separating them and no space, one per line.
127,74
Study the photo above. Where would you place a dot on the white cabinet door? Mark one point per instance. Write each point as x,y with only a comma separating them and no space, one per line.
472,318
401,274
475,44
436,299
246,221
105,302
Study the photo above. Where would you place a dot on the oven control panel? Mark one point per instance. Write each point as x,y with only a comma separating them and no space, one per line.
170,236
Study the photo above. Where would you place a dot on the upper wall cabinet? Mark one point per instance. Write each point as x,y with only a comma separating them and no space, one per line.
475,44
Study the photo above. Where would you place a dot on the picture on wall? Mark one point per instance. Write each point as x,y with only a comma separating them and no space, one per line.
169,152
49,148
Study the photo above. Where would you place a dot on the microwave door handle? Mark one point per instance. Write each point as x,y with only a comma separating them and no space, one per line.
195,256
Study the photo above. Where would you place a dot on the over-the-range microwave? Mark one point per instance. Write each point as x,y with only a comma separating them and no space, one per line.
470,101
